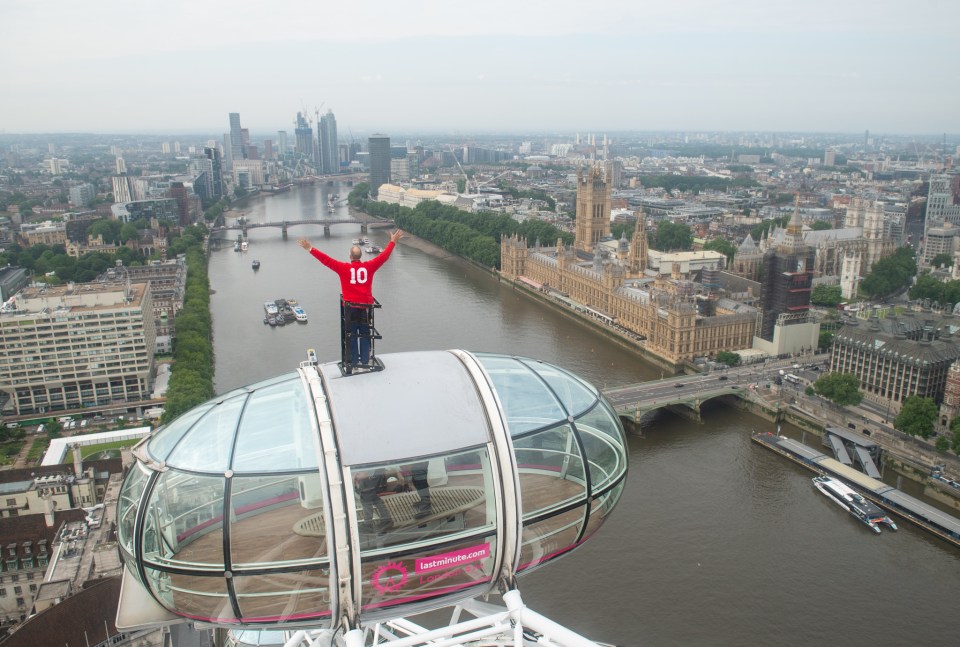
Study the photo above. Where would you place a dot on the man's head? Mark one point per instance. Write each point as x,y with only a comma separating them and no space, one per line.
355,253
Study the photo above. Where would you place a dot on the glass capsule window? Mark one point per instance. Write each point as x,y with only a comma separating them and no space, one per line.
128,504
426,528
550,461
570,451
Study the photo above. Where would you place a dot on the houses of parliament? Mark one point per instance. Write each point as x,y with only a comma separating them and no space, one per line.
679,318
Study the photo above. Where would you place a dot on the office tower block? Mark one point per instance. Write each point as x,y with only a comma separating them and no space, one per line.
53,322
201,173
122,191
227,151
216,175
943,208
83,194
329,160
379,147
179,193
236,138
304,135
614,172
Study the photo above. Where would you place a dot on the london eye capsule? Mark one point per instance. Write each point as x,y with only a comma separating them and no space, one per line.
315,499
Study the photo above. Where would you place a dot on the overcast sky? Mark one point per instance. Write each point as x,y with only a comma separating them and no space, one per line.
175,66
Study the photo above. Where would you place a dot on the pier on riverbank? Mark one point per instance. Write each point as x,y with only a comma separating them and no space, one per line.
890,498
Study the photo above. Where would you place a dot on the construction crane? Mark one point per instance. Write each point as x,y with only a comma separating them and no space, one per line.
479,185
466,178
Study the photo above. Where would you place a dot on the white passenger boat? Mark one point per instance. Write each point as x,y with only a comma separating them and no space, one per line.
853,502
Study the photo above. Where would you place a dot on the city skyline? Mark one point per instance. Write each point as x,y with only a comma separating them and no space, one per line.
540,66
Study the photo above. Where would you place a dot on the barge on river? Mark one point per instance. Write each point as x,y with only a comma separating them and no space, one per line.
903,505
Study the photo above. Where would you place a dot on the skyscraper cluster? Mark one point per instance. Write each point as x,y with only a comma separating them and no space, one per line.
307,154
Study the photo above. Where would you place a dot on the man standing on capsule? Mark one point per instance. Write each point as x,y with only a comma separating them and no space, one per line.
356,287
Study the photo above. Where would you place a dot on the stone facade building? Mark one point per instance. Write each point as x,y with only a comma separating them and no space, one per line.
593,210
28,547
676,318
677,323
897,357
950,408
36,503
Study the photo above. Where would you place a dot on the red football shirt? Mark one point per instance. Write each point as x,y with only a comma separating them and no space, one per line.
356,277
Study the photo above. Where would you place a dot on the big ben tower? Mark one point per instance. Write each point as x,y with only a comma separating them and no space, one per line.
593,209
787,280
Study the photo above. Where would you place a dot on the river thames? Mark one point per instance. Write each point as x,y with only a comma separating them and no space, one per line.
715,542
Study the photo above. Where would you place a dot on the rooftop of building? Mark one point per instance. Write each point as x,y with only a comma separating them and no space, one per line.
57,452
53,591
914,336
75,296
25,535
679,257
815,237
27,474
86,618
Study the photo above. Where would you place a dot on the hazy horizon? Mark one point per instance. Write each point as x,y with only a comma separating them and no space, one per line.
114,67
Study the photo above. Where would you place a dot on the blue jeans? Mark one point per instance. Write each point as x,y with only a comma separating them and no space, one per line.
359,329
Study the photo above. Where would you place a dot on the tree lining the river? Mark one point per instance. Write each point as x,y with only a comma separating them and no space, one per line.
475,236
191,377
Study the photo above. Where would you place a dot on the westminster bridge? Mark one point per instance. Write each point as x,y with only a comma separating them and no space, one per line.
685,394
